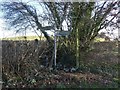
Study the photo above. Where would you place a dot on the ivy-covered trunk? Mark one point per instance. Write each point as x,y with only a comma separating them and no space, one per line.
77,49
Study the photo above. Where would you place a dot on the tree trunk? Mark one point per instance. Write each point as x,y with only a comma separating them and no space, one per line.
77,49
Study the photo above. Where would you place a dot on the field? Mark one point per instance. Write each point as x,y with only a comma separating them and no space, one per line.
42,38
21,67
23,38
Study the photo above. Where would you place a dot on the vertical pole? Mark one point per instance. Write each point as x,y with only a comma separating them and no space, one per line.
55,49
1,64
77,49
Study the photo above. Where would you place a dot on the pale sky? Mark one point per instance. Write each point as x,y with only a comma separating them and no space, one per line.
8,33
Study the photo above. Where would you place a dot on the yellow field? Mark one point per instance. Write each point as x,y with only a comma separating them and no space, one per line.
99,39
42,38
23,38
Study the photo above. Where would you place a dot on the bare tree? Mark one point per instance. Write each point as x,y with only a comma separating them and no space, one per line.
85,18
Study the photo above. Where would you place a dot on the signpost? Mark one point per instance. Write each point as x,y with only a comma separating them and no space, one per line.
62,33
58,33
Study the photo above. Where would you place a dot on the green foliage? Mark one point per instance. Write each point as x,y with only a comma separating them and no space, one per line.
60,85
66,57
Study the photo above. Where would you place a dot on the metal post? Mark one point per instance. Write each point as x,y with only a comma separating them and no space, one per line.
1,65
55,48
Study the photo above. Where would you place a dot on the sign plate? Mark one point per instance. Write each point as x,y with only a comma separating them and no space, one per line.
62,33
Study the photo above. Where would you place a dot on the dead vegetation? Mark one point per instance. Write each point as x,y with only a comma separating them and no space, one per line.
24,64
